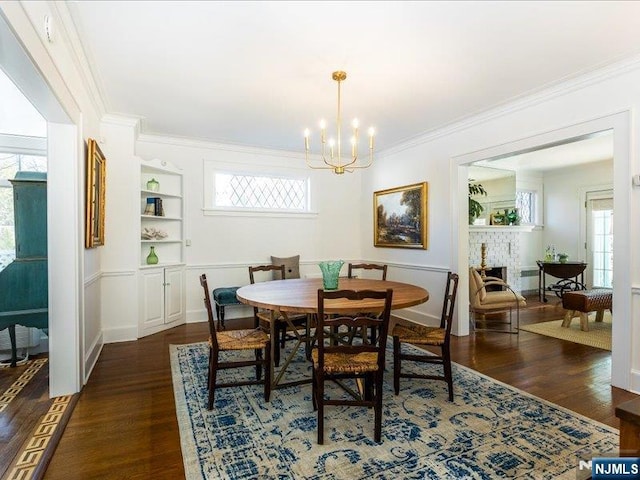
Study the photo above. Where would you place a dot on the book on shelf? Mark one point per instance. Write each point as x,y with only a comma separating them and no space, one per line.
159,210
150,207
154,207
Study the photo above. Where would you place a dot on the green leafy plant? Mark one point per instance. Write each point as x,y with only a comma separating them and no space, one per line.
475,208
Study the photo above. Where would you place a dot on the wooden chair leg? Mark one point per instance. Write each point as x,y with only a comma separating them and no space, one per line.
446,363
314,390
258,353
276,348
283,335
369,384
267,373
378,408
320,401
213,371
600,315
396,365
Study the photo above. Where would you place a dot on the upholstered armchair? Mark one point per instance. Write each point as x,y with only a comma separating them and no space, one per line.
483,302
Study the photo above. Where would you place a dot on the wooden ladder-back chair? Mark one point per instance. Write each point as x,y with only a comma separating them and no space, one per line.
367,266
348,354
263,317
422,335
225,340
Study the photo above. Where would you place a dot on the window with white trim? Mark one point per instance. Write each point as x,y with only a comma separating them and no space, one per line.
259,192
526,205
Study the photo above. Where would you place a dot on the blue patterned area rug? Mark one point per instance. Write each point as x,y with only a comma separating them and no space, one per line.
491,430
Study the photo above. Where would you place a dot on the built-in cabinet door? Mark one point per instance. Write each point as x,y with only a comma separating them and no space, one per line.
152,297
173,294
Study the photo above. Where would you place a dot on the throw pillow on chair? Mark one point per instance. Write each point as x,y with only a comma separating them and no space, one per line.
291,266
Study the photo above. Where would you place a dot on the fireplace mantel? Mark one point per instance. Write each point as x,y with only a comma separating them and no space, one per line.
501,228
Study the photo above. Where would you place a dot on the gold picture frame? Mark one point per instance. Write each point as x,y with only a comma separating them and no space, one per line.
95,195
400,217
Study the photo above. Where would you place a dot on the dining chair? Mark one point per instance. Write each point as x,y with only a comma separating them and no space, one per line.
351,356
367,266
263,316
227,340
422,336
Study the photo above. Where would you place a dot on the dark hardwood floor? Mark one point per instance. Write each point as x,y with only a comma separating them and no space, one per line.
124,424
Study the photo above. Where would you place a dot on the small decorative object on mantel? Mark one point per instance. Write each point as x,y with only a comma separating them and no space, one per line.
153,185
512,216
330,273
152,258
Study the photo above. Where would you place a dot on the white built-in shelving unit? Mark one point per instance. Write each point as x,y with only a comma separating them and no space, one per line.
162,292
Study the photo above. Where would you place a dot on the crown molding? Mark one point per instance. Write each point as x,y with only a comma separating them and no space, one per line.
121,120
69,35
206,145
521,102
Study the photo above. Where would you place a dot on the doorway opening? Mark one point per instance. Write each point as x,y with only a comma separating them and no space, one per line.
618,125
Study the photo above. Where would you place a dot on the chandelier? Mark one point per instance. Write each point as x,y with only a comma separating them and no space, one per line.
332,154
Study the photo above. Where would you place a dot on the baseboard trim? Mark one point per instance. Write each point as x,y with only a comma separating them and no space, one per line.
635,381
120,334
91,357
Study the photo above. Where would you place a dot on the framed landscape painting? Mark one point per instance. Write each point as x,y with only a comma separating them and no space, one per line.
95,195
400,217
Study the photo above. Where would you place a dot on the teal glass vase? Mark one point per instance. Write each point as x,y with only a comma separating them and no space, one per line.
330,273
152,258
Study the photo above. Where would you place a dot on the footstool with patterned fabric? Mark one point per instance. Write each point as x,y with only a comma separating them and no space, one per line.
584,301
224,297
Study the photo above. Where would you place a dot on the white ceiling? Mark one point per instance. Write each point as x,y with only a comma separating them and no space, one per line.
258,73
594,148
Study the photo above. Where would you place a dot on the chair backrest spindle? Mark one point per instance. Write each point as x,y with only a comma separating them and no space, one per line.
450,292
207,304
367,266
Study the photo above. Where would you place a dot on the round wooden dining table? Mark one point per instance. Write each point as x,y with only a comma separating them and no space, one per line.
300,296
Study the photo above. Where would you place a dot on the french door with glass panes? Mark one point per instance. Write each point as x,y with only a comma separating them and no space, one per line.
599,245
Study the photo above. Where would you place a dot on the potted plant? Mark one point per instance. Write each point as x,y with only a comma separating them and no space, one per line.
475,208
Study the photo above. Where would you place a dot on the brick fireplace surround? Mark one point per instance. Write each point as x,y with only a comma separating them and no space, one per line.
503,250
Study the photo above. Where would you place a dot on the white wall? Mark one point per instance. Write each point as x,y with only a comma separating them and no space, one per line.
222,246
590,100
564,191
